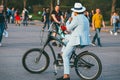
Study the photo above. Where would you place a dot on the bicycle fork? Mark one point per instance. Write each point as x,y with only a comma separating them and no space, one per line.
38,58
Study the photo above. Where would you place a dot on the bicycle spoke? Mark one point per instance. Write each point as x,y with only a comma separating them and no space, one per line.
35,61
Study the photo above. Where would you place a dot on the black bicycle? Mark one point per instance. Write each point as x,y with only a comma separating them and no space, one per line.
87,65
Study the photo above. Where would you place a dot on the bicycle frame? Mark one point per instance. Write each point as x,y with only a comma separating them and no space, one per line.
50,38
78,61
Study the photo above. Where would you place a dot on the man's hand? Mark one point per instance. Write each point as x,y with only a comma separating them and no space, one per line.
103,24
67,32
93,28
70,19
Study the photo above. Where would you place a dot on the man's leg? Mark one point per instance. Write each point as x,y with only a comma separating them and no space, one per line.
94,38
114,27
0,37
44,26
1,33
98,36
55,33
66,59
48,23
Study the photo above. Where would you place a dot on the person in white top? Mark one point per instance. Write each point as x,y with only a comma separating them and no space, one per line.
114,22
25,16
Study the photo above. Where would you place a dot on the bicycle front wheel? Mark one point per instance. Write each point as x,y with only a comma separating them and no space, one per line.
88,66
35,60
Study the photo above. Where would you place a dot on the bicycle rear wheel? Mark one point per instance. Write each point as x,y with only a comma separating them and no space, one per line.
35,60
88,66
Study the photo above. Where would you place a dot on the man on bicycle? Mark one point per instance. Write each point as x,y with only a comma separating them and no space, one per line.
79,25
57,19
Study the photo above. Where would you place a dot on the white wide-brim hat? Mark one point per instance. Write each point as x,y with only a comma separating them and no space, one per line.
78,8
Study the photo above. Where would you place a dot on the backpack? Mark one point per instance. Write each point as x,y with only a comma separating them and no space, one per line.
117,20
26,14
8,13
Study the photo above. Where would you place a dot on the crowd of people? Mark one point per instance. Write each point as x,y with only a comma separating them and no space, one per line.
11,16
77,24
115,19
76,27
16,17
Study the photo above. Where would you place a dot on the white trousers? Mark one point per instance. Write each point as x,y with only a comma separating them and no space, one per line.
67,51
66,58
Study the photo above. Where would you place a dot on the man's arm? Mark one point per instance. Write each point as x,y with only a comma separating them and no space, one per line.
103,22
111,20
71,24
62,19
93,24
44,17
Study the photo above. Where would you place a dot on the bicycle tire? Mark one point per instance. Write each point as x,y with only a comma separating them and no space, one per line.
79,66
44,57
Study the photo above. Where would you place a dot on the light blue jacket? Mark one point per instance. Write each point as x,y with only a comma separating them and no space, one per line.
80,30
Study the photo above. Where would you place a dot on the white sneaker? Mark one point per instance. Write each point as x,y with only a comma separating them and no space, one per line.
93,44
6,35
115,33
111,32
0,44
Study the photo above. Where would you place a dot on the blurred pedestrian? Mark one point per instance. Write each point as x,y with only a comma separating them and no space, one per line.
8,14
43,13
115,23
25,16
12,15
17,18
87,15
46,19
67,15
91,15
2,24
97,22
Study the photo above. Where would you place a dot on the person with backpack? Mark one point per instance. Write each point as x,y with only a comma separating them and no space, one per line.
8,14
46,19
12,15
25,17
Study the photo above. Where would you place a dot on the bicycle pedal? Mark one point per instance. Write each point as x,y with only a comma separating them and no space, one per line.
59,60
72,66
59,63
55,73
